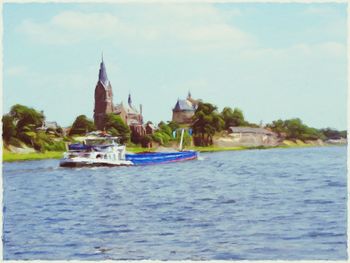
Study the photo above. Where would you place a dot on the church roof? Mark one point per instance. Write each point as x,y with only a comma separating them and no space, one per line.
184,105
250,130
102,76
128,109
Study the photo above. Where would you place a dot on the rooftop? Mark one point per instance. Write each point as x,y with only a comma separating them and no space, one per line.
250,130
184,105
102,76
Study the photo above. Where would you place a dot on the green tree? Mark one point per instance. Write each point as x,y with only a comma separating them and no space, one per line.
295,129
173,125
278,127
233,117
146,141
82,125
116,126
26,118
333,134
206,121
8,128
165,128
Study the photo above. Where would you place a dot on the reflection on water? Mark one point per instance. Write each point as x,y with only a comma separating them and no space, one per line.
258,204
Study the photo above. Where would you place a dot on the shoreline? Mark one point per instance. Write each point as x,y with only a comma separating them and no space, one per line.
18,157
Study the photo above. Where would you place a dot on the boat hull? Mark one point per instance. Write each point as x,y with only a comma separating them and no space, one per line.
80,162
160,158
132,159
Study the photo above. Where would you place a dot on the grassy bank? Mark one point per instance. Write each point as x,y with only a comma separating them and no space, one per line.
286,144
8,156
12,157
216,148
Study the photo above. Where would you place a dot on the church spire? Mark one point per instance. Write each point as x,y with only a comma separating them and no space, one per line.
102,76
189,96
129,100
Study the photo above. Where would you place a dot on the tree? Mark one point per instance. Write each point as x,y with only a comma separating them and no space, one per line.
8,128
165,128
278,127
295,129
82,125
116,126
206,121
146,141
26,118
333,134
233,117
173,125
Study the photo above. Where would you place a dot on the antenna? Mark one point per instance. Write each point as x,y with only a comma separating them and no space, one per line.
102,56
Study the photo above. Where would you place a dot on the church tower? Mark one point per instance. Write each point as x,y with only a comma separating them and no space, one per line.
103,97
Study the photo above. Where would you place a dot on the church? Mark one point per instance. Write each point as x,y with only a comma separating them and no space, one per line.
104,105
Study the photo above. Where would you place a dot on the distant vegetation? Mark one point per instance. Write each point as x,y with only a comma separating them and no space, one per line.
207,121
24,126
115,126
82,125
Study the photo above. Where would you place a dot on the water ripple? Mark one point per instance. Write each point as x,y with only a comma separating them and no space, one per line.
284,204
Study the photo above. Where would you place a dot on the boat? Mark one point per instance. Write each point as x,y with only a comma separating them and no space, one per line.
161,157
107,151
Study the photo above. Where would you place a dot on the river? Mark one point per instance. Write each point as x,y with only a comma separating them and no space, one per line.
286,204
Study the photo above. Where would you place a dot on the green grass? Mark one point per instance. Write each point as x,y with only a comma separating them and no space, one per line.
240,148
215,148
12,157
139,149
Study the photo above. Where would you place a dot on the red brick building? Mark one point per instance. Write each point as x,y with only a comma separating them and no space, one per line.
104,105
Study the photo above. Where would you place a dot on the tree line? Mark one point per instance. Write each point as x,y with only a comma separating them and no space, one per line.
22,125
207,121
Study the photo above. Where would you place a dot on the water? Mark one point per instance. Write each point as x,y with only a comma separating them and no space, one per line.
259,204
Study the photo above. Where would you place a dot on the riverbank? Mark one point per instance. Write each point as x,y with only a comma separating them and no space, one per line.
13,157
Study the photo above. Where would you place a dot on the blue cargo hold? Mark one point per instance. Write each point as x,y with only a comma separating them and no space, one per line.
157,157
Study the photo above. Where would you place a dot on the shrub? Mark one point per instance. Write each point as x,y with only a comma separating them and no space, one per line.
55,146
146,140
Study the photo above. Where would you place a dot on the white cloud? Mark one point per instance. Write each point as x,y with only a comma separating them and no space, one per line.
193,26
71,27
333,50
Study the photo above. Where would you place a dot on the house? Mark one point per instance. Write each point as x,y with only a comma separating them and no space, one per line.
48,125
253,136
184,110
247,136
150,128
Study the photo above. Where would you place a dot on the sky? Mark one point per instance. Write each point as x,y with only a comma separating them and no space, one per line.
272,61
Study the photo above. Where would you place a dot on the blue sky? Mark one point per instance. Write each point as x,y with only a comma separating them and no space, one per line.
270,60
